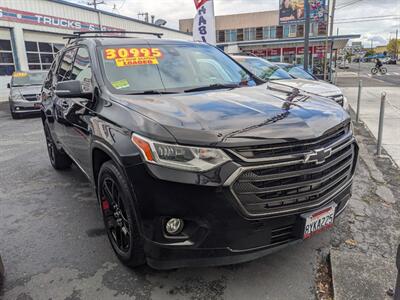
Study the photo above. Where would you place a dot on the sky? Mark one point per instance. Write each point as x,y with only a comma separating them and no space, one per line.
172,10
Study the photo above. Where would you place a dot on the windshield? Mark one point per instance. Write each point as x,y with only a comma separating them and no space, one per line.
28,78
176,68
298,72
263,69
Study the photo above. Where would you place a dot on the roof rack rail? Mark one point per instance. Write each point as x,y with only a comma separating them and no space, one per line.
157,34
79,34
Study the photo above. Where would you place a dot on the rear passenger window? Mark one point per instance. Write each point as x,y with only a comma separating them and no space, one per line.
65,68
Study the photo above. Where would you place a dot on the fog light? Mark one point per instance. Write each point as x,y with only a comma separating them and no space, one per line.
17,108
174,226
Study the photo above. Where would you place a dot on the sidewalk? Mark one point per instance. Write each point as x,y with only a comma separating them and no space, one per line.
366,235
369,114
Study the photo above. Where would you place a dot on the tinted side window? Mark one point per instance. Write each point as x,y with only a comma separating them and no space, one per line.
82,70
48,83
65,68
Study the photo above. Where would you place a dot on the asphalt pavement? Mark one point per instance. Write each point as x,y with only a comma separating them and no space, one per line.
54,246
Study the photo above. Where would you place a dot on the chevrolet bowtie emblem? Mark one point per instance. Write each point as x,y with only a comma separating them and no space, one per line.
318,156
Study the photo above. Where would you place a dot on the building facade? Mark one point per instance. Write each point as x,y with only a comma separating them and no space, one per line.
32,31
261,34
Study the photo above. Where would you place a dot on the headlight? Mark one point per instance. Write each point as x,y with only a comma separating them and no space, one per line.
180,157
346,105
16,97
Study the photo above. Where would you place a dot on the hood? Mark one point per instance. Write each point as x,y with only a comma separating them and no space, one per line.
27,90
240,116
310,86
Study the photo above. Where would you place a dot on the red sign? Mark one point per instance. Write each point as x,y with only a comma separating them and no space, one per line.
274,52
300,50
260,52
289,51
319,49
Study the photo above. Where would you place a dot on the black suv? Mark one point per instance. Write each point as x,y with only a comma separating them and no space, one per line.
194,161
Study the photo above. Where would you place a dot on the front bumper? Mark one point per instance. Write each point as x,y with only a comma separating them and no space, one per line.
25,107
216,231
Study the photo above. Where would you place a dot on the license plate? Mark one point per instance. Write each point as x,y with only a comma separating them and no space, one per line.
318,221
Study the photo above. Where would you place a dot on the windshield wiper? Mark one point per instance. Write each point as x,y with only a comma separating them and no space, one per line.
152,92
215,86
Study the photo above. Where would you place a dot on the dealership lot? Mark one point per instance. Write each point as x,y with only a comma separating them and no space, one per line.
54,246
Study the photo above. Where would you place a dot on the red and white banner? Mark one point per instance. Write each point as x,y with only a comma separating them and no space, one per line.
204,22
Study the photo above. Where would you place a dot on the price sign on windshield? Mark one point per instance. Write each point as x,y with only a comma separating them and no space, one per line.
133,56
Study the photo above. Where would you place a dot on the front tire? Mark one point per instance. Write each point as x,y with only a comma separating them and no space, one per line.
374,71
58,159
117,205
14,115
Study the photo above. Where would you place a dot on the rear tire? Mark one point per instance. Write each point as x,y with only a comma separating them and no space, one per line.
58,158
383,70
117,206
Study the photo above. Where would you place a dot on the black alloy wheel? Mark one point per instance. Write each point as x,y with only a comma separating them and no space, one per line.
117,206
115,215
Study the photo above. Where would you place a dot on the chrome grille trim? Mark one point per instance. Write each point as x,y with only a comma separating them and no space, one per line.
343,139
265,193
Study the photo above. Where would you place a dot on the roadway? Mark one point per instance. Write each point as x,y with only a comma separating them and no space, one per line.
349,77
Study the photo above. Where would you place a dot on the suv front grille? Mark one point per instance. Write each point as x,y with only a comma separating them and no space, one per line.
31,97
297,182
275,152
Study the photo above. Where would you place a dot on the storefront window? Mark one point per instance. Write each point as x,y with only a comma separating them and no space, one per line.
292,30
40,55
273,32
230,35
6,58
286,31
266,33
249,34
221,36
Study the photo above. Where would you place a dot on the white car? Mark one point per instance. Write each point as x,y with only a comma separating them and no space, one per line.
277,77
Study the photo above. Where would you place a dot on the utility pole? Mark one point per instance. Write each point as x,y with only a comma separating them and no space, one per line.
397,45
306,34
326,43
332,39
94,4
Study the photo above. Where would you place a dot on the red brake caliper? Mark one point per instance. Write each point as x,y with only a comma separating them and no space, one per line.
105,204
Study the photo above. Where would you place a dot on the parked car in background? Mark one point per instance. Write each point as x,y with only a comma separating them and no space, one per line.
24,95
389,61
195,162
296,71
277,76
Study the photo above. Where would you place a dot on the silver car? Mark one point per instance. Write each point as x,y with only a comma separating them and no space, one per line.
25,92
278,78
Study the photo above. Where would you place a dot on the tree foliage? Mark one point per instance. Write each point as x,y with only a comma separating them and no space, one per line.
391,47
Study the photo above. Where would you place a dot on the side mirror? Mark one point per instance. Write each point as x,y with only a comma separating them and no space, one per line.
9,85
72,89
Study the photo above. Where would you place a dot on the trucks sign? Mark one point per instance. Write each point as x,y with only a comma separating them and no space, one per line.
19,16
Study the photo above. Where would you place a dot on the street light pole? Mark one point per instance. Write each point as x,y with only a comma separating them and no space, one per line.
306,34
396,45
332,40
